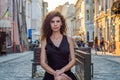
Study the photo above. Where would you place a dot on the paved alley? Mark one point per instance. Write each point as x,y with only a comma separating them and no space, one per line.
19,67
106,67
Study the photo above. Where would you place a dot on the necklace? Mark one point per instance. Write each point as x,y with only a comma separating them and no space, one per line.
56,40
56,37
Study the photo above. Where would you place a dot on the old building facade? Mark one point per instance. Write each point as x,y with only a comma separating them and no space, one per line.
35,11
68,11
36,18
107,24
84,20
13,24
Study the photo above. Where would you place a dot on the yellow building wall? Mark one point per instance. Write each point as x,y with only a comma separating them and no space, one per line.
117,51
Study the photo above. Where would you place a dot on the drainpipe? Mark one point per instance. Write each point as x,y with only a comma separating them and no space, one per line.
14,44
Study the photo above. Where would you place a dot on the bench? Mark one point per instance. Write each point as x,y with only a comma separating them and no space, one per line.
84,66
36,61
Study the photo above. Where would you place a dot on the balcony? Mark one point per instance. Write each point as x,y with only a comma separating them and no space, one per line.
116,7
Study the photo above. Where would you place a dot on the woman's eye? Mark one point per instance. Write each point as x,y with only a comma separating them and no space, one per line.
52,21
58,21
55,21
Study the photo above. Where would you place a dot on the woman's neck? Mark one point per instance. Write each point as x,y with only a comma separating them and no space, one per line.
56,35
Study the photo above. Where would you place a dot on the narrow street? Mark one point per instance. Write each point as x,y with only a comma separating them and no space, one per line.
91,23
106,67
18,69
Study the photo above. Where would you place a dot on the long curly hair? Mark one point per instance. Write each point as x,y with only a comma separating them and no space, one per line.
46,30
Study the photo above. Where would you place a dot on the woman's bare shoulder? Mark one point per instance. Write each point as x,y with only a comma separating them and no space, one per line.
43,41
69,39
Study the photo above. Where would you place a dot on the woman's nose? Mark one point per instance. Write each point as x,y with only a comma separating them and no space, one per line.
55,23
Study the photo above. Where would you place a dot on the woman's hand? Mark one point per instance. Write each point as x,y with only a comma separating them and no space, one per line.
66,77
59,72
62,76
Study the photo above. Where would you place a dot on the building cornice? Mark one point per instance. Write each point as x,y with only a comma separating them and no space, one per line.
101,15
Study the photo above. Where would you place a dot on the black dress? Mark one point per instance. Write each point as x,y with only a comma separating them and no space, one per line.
58,57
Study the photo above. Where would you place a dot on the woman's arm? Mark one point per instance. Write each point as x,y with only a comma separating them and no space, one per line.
72,56
43,58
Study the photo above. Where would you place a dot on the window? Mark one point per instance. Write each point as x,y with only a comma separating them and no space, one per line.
87,1
87,17
87,36
87,14
113,27
93,36
8,39
106,4
102,5
87,11
100,32
108,33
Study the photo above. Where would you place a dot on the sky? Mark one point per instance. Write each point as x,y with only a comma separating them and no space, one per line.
54,3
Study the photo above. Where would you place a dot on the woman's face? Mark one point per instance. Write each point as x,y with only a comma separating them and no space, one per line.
56,23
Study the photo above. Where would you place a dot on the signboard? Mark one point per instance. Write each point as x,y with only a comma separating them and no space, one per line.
29,33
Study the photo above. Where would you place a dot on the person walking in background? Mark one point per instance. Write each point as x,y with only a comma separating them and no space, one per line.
113,45
78,43
96,44
57,51
102,45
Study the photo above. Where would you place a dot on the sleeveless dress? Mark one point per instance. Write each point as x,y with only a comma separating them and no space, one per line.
58,57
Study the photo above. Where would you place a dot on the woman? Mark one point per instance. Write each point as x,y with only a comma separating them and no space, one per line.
113,46
57,51
96,44
102,45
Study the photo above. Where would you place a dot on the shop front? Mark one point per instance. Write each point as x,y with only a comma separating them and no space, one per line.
5,37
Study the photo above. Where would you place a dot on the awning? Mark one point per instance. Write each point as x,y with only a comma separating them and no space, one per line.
36,33
5,24
74,37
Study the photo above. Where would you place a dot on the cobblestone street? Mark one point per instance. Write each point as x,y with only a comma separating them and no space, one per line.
18,69
106,67
51,31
